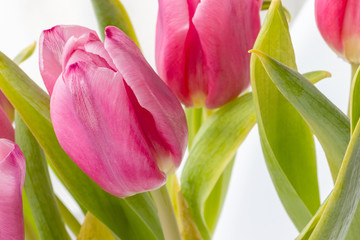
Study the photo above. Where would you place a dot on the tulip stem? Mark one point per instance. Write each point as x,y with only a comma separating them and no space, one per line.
354,68
166,213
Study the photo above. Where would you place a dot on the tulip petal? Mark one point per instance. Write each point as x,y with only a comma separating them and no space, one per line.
351,31
6,128
171,33
105,139
331,30
225,47
7,107
12,175
51,46
168,117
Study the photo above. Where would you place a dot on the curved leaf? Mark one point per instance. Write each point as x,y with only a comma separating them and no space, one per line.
113,13
130,218
38,186
213,148
92,228
287,141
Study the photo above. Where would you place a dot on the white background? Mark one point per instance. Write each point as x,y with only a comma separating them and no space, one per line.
252,209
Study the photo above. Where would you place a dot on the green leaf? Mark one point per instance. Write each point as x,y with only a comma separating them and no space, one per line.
329,124
92,228
266,5
38,186
341,205
68,217
287,141
113,13
215,201
28,215
25,53
131,218
316,76
355,100
212,151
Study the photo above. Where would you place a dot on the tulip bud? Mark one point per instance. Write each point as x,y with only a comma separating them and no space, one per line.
111,113
202,48
339,24
12,176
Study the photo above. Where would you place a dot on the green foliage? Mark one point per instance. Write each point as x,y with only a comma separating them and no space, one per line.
213,149
287,141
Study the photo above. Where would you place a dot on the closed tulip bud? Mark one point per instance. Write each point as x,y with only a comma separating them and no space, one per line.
202,48
12,176
339,24
111,113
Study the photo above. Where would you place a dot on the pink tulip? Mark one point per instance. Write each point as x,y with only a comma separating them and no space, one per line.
111,113
339,24
12,175
202,48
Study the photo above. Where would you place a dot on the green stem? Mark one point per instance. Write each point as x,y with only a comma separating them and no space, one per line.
354,68
166,213
194,118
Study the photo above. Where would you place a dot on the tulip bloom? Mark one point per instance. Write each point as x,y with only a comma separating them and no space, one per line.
339,24
202,48
111,113
12,176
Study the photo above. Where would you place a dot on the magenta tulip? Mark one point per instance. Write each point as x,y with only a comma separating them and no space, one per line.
111,113
12,176
339,24
202,48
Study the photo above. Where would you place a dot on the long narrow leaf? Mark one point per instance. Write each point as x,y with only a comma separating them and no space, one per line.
123,216
341,205
213,148
287,141
38,186
329,124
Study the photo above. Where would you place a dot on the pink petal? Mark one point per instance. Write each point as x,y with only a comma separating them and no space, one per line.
97,126
7,107
12,175
163,110
330,17
227,30
351,31
51,46
6,128
171,32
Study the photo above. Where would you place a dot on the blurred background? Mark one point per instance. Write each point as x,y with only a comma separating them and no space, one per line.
252,209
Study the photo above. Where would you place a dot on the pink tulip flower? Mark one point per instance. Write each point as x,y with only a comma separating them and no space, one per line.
12,176
202,48
111,113
339,24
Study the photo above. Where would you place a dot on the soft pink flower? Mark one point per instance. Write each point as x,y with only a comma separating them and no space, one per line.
339,24
111,113
202,48
12,175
